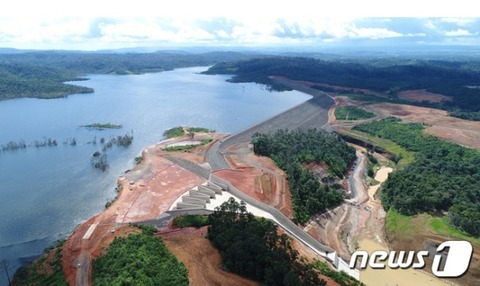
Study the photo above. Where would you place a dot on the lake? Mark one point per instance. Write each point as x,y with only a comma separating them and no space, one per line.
46,191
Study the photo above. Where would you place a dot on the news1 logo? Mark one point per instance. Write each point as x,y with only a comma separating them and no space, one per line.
455,261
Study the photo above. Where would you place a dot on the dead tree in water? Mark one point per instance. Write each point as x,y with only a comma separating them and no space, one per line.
4,264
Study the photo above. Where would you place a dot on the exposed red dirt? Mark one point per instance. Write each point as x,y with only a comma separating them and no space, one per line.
463,132
423,95
257,177
201,259
197,154
148,190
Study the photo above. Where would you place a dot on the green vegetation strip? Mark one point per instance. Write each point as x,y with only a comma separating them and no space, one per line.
174,132
444,177
43,271
180,131
139,259
101,126
289,150
200,130
400,155
190,221
187,147
352,113
406,227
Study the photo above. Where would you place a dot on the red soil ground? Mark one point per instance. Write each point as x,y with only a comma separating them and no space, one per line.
202,260
257,177
463,132
423,95
148,190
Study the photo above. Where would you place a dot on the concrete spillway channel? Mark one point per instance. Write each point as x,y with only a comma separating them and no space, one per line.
199,197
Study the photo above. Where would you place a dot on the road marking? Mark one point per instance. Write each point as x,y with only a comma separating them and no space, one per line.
90,231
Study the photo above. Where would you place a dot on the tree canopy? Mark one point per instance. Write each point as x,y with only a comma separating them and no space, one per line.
444,177
253,247
43,74
290,149
138,259
457,79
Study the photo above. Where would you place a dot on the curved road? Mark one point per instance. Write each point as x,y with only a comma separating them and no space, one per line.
310,114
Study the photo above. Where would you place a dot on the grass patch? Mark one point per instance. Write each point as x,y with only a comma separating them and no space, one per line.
180,131
365,97
200,129
138,160
401,155
174,132
441,226
400,226
185,148
190,221
352,113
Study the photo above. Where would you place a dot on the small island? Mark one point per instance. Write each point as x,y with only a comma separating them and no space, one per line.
102,126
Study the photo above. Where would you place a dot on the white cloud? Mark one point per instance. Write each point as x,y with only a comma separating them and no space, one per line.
458,33
462,22
430,25
111,24
373,33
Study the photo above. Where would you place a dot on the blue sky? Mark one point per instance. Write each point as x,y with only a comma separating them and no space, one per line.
105,24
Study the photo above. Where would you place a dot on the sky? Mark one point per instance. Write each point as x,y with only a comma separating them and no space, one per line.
106,24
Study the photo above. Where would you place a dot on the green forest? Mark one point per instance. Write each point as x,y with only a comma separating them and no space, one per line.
443,178
389,76
23,80
290,149
139,259
252,247
43,74
352,113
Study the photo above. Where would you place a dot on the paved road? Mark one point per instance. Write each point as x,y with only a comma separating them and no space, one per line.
311,114
83,272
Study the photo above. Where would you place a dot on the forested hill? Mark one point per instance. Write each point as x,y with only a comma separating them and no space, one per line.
291,151
444,177
41,74
119,63
388,75
20,80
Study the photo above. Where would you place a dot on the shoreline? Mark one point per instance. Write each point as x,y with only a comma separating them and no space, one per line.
147,191
78,252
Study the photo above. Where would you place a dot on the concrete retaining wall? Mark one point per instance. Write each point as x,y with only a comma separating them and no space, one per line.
181,205
194,201
206,191
196,194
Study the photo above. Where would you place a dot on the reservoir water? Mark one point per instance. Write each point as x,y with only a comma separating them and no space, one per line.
45,192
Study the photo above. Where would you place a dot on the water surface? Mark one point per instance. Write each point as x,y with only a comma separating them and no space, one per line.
46,192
